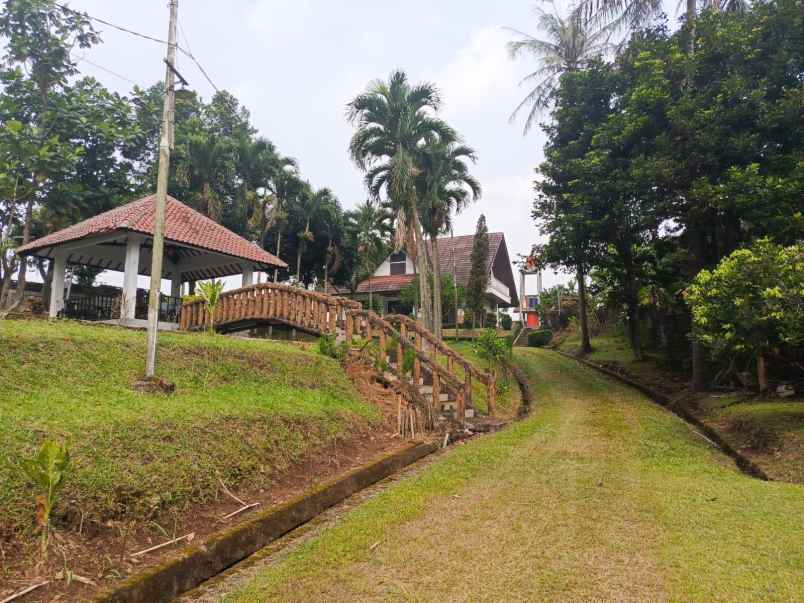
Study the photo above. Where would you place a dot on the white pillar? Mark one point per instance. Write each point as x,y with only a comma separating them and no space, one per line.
248,276
131,270
57,286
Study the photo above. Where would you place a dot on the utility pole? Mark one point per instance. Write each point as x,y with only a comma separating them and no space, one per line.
165,144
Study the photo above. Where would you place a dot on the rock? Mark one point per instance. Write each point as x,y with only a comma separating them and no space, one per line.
154,385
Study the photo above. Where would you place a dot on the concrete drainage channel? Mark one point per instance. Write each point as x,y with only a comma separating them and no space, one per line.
200,563
743,463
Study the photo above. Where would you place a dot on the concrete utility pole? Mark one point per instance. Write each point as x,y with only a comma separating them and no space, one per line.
165,144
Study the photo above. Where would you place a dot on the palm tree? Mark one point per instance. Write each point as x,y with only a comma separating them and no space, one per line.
310,205
201,171
393,119
569,44
445,186
373,225
285,186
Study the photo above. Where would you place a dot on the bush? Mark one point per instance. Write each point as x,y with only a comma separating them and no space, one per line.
538,339
491,320
328,346
506,322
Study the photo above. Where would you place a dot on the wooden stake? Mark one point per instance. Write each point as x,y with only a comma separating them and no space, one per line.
187,537
30,589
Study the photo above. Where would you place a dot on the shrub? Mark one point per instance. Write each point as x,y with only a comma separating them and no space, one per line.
491,320
538,339
506,322
47,471
328,346
750,304
210,292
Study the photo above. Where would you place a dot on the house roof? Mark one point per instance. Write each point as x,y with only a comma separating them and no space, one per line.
455,254
385,284
183,225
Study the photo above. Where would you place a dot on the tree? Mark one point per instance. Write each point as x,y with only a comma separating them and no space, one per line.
479,273
453,296
445,186
393,119
35,69
569,44
311,205
752,304
369,229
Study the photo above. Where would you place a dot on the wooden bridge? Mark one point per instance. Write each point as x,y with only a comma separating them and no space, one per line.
432,379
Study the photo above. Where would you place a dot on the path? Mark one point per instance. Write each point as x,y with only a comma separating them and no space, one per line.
599,495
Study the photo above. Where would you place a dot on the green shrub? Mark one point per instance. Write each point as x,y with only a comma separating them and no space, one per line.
328,346
491,320
506,322
408,360
47,471
538,339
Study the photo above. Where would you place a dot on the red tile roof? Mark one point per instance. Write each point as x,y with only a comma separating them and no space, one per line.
182,225
383,284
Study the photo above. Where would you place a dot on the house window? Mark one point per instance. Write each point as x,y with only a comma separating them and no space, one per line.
398,263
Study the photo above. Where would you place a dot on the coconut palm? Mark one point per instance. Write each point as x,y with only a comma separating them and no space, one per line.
446,187
393,119
310,205
568,44
285,186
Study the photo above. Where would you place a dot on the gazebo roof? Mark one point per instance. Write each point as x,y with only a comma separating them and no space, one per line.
185,228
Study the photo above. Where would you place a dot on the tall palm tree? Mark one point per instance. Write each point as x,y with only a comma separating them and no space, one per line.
393,119
445,186
569,43
202,169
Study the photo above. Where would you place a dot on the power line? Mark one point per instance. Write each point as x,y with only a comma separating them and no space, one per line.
119,27
109,71
187,52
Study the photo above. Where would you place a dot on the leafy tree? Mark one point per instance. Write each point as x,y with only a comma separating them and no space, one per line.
570,43
393,119
479,273
752,304
453,296
369,229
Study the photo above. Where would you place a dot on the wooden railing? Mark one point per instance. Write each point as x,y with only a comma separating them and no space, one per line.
447,371
455,363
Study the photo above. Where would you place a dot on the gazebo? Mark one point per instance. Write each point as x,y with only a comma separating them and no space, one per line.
196,248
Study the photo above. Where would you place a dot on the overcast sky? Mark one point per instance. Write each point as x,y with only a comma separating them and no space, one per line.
295,65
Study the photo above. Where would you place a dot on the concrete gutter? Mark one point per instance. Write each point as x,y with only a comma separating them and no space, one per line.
745,464
198,563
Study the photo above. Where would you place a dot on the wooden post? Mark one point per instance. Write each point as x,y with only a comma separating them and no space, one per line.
436,392
492,396
349,327
461,410
467,384
383,345
417,363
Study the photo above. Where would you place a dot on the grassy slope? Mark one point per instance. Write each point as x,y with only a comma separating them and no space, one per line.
771,431
242,409
599,495
507,402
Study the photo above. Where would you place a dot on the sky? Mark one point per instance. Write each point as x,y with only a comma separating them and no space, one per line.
295,65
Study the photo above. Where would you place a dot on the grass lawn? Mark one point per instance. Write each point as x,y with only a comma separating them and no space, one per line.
243,409
598,495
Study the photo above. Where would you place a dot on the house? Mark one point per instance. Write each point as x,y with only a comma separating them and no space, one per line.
397,271
196,248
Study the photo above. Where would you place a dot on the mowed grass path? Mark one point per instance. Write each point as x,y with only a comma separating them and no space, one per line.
599,495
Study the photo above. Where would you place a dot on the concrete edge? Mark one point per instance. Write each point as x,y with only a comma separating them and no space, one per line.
743,463
198,563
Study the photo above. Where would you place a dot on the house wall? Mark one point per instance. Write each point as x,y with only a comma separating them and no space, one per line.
384,269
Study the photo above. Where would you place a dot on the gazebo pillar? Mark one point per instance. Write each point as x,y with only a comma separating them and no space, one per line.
131,270
57,286
248,276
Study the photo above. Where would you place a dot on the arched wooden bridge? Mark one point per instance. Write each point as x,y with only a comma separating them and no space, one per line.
430,377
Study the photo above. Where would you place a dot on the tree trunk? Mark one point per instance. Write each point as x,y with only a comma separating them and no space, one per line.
300,250
422,261
762,374
586,344
13,302
632,303
278,249
691,16
438,315
47,281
